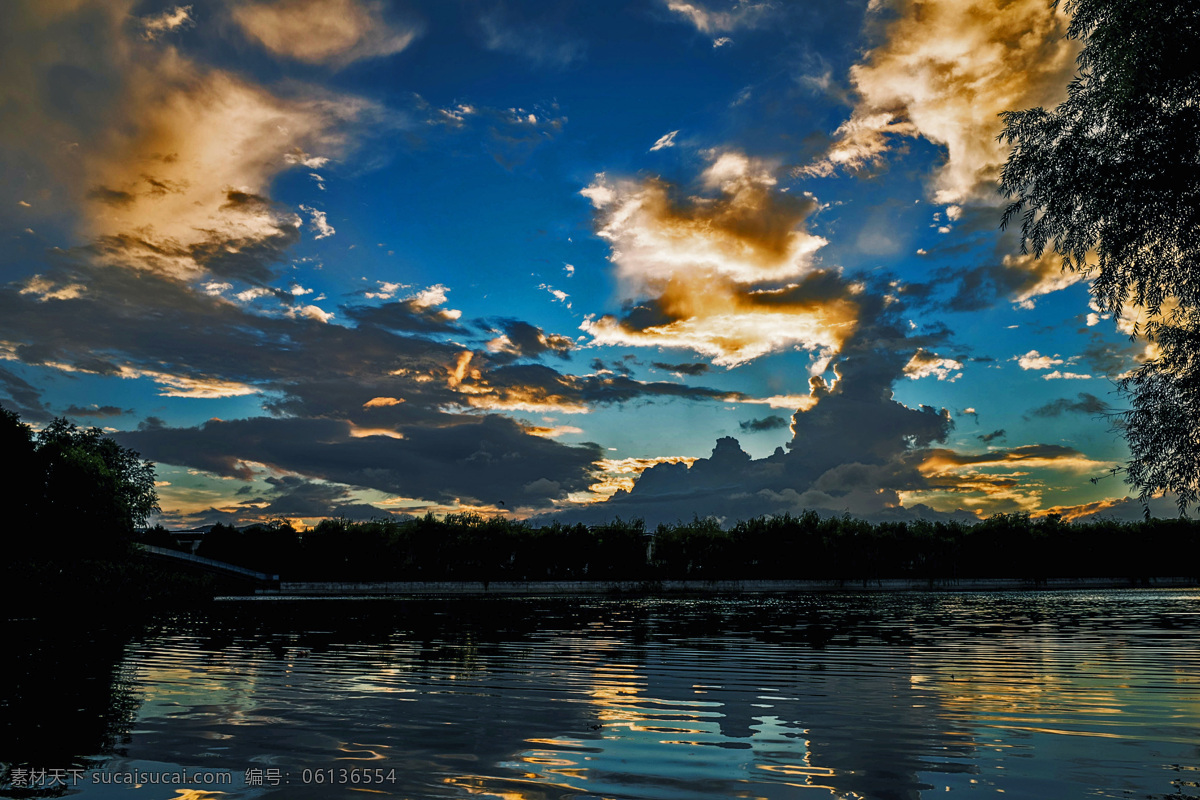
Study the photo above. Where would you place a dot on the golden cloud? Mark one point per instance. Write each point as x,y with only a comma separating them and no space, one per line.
940,462
323,31
169,162
620,474
728,273
748,233
720,321
199,158
946,70
383,402
1044,274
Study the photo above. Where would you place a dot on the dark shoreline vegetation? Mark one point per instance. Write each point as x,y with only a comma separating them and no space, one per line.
80,504
470,547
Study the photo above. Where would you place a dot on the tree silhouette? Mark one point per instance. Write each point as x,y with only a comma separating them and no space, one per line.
74,486
1110,180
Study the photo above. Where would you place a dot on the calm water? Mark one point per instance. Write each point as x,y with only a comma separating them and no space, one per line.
1058,695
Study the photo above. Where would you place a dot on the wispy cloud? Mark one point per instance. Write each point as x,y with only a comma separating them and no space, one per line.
169,21
726,17
335,32
539,41
666,140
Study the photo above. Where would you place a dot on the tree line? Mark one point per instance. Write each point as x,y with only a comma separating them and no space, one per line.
470,547
71,487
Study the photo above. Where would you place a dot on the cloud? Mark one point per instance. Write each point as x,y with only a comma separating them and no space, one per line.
690,368
360,399
333,32
97,411
479,459
169,21
747,232
1069,376
521,340
219,145
1085,403
945,71
294,497
541,41
1124,509
420,312
667,140
854,447
771,423
511,135
318,222
924,363
1020,279
728,273
738,14
23,396
1030,455
1035,360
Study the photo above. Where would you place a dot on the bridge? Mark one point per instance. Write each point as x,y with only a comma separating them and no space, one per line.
210,565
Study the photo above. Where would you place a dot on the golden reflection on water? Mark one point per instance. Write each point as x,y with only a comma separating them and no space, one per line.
893,705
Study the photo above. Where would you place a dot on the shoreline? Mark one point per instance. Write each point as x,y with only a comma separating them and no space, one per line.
348,590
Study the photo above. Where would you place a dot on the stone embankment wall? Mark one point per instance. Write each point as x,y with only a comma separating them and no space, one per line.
542,588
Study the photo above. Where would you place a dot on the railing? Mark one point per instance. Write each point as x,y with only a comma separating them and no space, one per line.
209,562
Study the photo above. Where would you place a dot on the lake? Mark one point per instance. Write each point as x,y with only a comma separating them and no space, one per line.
912,695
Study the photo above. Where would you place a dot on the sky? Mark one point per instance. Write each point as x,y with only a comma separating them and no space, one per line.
642,258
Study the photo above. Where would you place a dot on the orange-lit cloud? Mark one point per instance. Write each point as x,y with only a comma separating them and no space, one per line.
747,233
323,31
732,327
924,363
728,273
620,474
377,402
1044,274
1051,456
169,164
945,71
195,163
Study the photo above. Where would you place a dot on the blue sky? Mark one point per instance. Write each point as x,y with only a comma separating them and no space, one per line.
368,258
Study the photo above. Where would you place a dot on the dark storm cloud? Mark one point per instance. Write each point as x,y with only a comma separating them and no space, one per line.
988,438
772,423
691,368
299,497
23,397
408,316
622,366
541,383
254,260
327,376
481,459
112,197
1108,358
523,340
855,450
1085,403
97,411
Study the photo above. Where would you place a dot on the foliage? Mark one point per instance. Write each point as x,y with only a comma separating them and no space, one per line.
1163,425
76,482
1112,176
469,547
